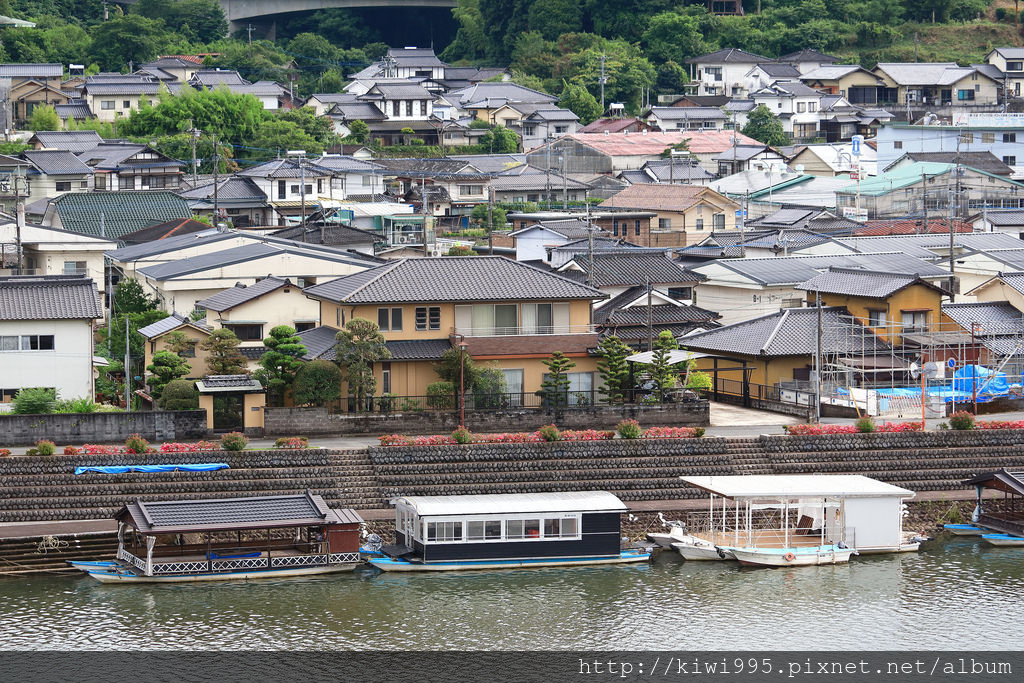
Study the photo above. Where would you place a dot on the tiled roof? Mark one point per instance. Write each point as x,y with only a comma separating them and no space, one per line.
74,141
897,179
31,70
111,156
1012,217
456,278
48,297
57,162
229,513
511,92
248,252
926,245
790,332
214,77
570,228
253,352
664,313
982,161
884,227
730,55
793,270
331,234
363,111
399,91
231,187
319,342
784,89
611,125
618,269
988,318
662,197
174,320
863,283
122,212
654,143
283,168
138,87
925,73
1014,281
831,72
239,294
73,110
808,55
688,113
780,70
414,56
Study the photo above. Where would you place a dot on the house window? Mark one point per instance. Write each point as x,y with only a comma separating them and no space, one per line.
801,107
244,333
27,342
282,189
319,185
967,138
471,190
1010,160
303,326
107,105
812,106
700,223
385,378
408,107
680,293
101,181
126,104
74,268
561,129
715,72
428,318
1015,66
876,318
189,351
514,385
389,319
63,186
1009,137
423,107
125,182
897,144
965,95
664,224
636,227
718,221
988,138
615,228
522,528
338,183
915,321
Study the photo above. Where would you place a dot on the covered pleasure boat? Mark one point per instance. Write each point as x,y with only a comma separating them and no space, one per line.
506,531
794,520
229,539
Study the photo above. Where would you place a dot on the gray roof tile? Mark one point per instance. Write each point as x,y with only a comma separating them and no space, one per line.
174,320
729,55
456,278
31,70
74,141
618,269
240,294
860,283
48,297
793,270
227,513
989,317
57,162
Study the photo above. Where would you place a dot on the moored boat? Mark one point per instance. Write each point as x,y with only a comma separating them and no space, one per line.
507,531
1003,540
792,557
963,529
228,539
697,549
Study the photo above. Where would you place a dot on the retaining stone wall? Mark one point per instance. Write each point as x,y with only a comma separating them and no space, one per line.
318,422
78,428
893,441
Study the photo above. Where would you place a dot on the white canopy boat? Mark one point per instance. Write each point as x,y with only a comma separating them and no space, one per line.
795,520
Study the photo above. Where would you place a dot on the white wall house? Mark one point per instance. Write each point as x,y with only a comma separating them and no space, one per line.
48,251
46,334
797,105
724,72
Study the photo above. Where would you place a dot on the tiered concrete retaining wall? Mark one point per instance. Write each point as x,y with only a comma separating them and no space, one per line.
79,428
318,422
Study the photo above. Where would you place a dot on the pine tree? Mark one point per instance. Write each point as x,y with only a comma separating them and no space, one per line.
663,373
223,356
166,367
613,368
554,390
280,363
360,344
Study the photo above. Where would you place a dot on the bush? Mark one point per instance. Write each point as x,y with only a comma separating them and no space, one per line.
865,425
1001,13
75,405
549,433
233,441
136,444
411,405
698,432
629,429
45,447
441,395
71,450
699,381
317,383
292,442
5,452
180,394
462,435
961,420
34,401
32,451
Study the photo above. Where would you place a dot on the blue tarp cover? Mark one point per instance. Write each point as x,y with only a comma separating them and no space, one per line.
989,381
124,469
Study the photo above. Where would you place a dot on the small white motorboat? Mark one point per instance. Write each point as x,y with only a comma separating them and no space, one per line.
963,529
696,548
1003,540
664,539
792,557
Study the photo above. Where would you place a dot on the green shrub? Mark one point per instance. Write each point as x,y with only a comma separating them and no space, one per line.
629,429
549,433
32,451
865,425
698,432
462,435
75,405
943,425
180,394
45,447
961,420
136,444
699,381
1001,13
292,442
34,401
233,441
411,405
441,395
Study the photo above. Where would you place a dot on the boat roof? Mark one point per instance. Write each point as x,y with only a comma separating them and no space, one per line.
513,503
225,514
792,486
1008,481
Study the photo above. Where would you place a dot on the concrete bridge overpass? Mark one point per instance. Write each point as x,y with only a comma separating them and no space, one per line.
238,12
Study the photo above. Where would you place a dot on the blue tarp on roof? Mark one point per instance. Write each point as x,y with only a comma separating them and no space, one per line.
124,469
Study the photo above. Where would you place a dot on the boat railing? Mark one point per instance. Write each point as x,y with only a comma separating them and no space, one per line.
138,562
208,565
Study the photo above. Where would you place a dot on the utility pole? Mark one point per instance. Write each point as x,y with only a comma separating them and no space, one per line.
216,181
743,223
590,241
924,199
602,84
195,163
490,219
650,314
423,208
817,362
249,29
127,365
19,218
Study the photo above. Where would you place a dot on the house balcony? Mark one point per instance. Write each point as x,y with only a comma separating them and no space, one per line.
526,341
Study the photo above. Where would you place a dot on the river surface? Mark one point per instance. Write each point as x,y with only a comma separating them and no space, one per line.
955,594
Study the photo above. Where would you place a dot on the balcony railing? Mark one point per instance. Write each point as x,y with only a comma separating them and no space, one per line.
522,331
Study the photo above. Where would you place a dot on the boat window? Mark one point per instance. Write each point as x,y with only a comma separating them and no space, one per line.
514,528
532,527
560,528
444,531
483,530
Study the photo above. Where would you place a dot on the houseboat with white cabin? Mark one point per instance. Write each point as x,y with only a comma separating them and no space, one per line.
228,539
506,531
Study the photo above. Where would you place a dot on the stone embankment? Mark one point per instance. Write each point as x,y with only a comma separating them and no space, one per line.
643,472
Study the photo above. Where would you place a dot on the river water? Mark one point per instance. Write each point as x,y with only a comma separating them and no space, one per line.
955,594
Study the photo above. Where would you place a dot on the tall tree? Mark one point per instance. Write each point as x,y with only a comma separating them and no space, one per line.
499,140
166,367
581,102
222,354
281,362
613,368
673,37
44,117
764,126
316,383
129,297
359,346
129,39
663,371
554,389
453,361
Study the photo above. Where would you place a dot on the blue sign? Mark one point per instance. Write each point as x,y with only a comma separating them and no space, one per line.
741,214
856,142
951,362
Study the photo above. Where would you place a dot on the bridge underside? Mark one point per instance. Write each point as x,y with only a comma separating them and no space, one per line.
237,11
